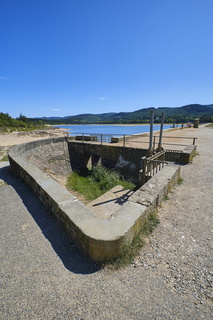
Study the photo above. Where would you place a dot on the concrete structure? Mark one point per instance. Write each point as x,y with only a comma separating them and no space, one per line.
196,123
123,159
100,239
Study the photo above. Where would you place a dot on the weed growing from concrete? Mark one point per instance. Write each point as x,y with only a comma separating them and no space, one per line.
166,197
126,257
180,181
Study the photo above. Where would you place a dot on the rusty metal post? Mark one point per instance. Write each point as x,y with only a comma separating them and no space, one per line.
161,133
154,143
144,161
151,129
150,150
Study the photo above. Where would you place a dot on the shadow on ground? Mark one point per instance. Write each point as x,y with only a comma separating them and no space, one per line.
72,258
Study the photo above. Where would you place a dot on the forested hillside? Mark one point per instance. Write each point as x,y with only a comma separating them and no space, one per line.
179,115
7,123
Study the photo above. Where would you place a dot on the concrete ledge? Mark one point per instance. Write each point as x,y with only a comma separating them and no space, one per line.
99,239
188,154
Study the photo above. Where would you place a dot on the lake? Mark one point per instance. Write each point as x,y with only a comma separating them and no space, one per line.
110,129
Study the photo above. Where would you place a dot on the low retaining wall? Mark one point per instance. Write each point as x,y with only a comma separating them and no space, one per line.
99,239
188,154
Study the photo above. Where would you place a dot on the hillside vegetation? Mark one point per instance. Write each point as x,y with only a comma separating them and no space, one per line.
179,115
9,124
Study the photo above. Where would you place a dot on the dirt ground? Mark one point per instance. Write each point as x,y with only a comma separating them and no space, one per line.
44,276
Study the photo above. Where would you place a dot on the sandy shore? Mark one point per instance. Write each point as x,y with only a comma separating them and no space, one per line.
175,139
18,137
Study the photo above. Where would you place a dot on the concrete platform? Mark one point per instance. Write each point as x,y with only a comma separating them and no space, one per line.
101,239
106,205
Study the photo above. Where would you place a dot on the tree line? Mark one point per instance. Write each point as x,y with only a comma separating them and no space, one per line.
7,123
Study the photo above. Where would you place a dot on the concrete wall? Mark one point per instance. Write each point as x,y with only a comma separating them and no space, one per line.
99,239
188,154
51,156
125,160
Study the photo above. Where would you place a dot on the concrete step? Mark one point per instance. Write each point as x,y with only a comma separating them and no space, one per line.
106,205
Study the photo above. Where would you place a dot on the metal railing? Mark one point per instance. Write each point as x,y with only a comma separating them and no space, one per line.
99,137
150,167
172,155
156,138
128,139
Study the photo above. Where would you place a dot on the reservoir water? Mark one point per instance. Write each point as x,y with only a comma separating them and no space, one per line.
110,129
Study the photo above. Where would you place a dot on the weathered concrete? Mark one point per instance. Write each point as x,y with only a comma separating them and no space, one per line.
43,276
188,154
100,239
109,203
123,159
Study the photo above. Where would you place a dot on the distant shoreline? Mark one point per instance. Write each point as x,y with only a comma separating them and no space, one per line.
107,124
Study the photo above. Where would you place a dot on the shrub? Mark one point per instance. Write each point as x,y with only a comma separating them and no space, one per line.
93,183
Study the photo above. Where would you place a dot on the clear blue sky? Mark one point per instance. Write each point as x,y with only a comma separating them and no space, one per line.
67,57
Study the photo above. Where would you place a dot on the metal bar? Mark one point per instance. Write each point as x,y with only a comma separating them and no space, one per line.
144,170
177,137
151,128
157,161
154,143
149,168
161,130
175,144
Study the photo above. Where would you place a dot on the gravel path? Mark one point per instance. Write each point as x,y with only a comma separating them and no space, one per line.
43,275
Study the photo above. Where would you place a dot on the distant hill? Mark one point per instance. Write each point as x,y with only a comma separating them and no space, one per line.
180,115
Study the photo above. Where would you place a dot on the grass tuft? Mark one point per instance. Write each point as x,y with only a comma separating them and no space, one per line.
166,197
180,181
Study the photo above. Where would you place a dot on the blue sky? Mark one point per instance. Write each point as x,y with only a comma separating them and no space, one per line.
67,57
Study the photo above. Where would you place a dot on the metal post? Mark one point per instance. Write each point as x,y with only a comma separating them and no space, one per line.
154,143
151,129
161,133
150,150
144,170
